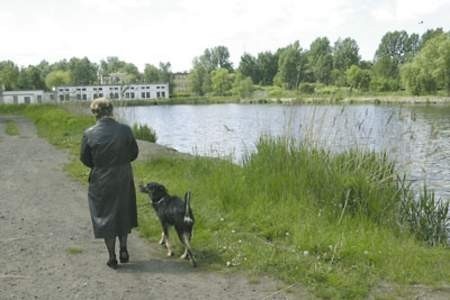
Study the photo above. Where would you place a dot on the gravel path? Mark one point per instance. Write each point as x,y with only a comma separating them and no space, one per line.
47,249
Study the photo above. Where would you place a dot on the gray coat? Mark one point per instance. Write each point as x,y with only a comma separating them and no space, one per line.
107,148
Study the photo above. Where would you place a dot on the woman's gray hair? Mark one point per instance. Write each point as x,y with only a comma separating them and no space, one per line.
101,107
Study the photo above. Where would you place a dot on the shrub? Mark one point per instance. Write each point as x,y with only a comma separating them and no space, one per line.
144,132
306,88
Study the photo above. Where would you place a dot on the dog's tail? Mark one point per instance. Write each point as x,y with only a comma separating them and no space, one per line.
187,211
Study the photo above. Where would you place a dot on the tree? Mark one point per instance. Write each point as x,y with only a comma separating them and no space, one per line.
248,66
199,78
242,86
9,73
358,78
321,60
30,79
345,54
430,69
151,74
82,71
221,82
429,34
292,64
267,63
57,78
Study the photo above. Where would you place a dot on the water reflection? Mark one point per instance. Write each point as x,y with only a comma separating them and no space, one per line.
416,137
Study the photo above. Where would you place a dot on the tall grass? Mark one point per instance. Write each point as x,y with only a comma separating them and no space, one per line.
328,221
144,132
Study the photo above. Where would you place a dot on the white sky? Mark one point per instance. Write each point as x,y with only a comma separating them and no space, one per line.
150,31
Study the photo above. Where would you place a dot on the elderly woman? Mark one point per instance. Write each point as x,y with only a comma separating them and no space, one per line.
107,148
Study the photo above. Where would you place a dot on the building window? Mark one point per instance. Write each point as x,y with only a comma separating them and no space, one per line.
95,89
158,87
143,95
158,94
39,99
27,100
148,94
127,95
100,95
100,89
61,97
163,94
78,96
95,96
84,97
83,89
132,95
116,95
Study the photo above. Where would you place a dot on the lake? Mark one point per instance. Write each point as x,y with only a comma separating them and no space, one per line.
415,136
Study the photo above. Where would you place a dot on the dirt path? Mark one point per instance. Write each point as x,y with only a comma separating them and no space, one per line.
47,249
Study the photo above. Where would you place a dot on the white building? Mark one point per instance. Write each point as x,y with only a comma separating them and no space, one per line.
25,97
112,91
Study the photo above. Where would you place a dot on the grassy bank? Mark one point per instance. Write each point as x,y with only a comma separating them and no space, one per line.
328,221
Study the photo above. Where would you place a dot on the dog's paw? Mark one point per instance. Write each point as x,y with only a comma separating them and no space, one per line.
184,256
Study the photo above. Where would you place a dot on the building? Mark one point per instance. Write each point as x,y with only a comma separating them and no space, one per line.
26,97
181,83
112,91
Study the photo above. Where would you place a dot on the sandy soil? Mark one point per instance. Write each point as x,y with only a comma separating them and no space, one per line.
47,249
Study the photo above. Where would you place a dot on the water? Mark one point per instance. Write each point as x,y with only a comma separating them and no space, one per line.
416,137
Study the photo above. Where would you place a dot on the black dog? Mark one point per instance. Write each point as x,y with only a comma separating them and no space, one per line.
172,211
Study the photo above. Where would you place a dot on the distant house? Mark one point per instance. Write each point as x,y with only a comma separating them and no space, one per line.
181,83
26,97
112,91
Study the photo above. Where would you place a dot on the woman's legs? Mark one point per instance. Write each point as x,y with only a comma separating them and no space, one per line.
111,246
123,254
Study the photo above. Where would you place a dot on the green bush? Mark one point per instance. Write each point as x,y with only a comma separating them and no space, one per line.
144,132
306,88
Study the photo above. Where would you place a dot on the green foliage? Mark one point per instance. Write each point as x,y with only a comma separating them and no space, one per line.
268,67
242,86
221,81
11,128
249,67
345,54
306,88
321,60
82,71
426,218
358,78
151,74
430,69
57,78
144,132
30,78
9,74
292,66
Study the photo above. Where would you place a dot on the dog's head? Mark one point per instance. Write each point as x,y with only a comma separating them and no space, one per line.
155,190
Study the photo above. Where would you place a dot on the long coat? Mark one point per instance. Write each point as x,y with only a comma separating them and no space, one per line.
108,148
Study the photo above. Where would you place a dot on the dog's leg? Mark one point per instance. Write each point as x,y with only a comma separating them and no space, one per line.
162,241
166,240
188,250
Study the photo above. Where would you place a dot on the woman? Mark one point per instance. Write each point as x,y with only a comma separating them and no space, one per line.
107,148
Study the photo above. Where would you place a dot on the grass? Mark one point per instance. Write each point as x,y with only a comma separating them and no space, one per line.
328,221
74,250
144,132
11,128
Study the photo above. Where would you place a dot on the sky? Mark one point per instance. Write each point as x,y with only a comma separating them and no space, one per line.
176,31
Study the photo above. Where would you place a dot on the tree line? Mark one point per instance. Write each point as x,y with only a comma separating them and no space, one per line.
78,71
402,61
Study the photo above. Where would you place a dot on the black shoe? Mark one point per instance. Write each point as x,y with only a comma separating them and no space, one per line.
112,263
123,255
